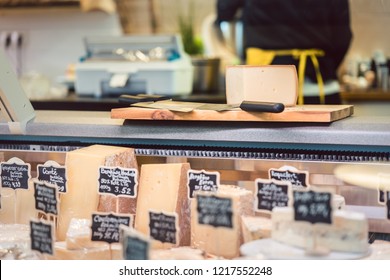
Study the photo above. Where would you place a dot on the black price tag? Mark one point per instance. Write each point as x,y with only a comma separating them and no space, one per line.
53,173
106,227
202,181
272,193
381,197
41,234
163,227
296,178
388,205
46,198
135,246
214,211
312,206
15,174
118,181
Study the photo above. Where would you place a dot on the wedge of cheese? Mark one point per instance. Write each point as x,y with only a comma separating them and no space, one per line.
163,189
254,228
82,196
271,83
347,233
99,251
222,241
178,253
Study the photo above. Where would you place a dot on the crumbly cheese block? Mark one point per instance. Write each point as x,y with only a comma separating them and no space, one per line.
222,241
347,233
82,197
178,253
254,228
100,251
78,235
271,83
163,188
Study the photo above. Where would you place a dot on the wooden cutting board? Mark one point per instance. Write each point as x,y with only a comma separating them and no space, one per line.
304,113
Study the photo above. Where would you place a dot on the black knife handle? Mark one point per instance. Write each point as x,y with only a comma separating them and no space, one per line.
255,106
131,99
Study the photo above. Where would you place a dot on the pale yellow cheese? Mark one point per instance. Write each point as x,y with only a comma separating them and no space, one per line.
222,241
100,251
272,83
163,188
82,197
78,235
347,233
178,253
254,228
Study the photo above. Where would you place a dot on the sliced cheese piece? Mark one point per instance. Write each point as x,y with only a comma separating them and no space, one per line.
178,253
163,188
82,197
213,240
347,233
78,235
254,228
271,83
100,251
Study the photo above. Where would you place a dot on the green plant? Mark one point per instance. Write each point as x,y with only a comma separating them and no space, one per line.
192,44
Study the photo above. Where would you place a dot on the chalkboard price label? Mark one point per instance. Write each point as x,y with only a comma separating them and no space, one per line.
135,246
164,227
272,193
388,205
118,181
214,211
312,206
41,234
53,173
381,197
106,227
202,181
15,174
296,178
46,197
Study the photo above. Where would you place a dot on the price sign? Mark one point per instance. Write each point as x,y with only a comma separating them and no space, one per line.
15,174
135,245
202,181
53,173
272,193
106,227
214,211
46,197
312,206
118,181
164,227
388,205
41,234
296,178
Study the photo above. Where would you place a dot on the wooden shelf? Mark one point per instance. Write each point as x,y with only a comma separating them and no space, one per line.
363,95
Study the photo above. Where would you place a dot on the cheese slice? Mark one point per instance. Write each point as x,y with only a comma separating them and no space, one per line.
178,253
163,188
347,233
82,197
254,228
100,251
222,241
78,235
271,83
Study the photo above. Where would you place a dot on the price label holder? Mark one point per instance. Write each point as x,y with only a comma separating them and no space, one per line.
272,193
15,174
314,207
42,237
297,178
388,205
201,180
383,185
53,173
135,245
46,199
164,227
118,181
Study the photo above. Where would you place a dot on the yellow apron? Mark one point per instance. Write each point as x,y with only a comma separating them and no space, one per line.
256,56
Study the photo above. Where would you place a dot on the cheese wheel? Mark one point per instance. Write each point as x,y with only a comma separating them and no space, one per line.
271,83
214,239
163,189
82,197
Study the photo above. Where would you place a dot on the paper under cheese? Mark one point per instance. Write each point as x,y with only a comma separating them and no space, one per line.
272,83
219,240
82,197
162,188
347,233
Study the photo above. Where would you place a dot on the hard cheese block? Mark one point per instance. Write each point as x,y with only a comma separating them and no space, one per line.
207,231
254,228
163,189
82,197
271,83
347,233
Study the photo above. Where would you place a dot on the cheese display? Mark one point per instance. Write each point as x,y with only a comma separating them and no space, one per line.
216,220
82,197
347,233
262,83
254,228
163,194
